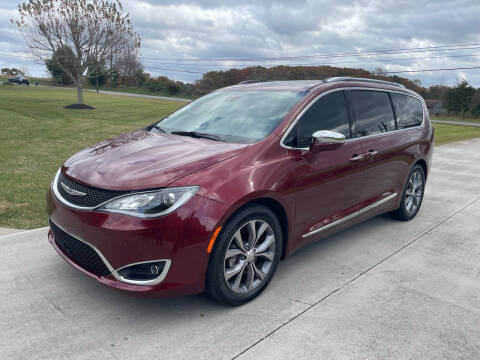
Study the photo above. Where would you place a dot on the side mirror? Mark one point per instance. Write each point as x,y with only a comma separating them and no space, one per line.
327,137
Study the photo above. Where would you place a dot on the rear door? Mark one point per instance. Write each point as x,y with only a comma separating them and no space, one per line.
328,181
384,146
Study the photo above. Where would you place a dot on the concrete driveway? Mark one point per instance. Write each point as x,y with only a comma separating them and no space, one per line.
381,290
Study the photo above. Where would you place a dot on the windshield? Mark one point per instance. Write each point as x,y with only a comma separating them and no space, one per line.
235,116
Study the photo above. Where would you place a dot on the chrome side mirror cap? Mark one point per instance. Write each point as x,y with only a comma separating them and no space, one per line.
328,137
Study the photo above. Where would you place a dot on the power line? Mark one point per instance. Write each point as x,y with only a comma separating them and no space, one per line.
430,70
185,71
384,72
324,63
345,54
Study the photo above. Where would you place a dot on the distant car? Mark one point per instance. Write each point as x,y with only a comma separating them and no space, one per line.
20,80
215,194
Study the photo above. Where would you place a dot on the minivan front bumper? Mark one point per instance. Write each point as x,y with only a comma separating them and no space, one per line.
100,244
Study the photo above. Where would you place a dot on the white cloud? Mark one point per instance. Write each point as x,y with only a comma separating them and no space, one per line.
250,29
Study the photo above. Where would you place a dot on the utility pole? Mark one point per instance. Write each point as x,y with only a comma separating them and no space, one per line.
97,77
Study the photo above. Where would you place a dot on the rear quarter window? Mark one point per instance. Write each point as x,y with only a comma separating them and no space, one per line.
409,111
374,112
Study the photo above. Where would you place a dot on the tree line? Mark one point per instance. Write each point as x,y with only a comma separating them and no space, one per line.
93,40
127,71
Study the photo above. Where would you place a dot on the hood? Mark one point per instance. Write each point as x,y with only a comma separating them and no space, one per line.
145,160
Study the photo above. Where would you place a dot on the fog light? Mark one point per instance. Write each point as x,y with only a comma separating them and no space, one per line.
142,272
154,269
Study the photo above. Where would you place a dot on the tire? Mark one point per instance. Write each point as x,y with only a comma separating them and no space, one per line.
226,285
411,201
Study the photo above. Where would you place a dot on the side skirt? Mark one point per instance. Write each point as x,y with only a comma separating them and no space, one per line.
351,216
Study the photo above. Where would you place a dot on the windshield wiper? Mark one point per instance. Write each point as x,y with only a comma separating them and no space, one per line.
196,134
159,129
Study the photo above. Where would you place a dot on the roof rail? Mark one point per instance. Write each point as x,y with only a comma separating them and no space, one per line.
347,78
250,82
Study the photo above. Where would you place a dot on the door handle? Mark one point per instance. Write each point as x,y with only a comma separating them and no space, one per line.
356,157
371,153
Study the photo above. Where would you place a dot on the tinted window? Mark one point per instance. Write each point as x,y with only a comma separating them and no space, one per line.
238,116
328,113
374,110
409,111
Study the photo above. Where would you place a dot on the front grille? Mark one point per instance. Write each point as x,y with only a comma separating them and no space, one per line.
93,197
80,253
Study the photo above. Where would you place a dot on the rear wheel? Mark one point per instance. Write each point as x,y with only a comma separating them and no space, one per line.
245,256
412,196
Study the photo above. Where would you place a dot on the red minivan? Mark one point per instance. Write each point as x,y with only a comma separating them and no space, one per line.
213,196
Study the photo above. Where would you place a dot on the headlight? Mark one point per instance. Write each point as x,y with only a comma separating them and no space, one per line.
150,204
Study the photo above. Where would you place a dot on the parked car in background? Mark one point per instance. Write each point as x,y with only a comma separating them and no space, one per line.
213,196
20,80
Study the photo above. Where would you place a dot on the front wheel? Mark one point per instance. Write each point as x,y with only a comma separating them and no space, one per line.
245,256
412,196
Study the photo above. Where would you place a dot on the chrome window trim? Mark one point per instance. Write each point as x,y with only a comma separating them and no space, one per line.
351,216
114,272
305,109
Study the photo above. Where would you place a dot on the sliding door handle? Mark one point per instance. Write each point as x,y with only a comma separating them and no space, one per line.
356,157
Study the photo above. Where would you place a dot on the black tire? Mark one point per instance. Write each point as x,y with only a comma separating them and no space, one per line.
403,213
217,286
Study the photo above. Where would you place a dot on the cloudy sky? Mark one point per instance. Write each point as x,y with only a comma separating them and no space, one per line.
203,35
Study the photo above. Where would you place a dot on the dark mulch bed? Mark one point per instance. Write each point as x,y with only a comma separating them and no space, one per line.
79,107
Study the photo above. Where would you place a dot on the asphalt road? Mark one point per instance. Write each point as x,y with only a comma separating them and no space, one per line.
380,290
120,93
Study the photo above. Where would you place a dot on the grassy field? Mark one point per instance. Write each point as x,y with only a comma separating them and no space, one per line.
120,88
38,134
457,118
449,133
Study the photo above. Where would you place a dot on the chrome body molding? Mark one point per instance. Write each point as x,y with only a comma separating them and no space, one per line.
99,207
351,216
65,202
310,104
155,281
115,273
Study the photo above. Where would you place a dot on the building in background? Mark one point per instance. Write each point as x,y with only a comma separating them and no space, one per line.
435,107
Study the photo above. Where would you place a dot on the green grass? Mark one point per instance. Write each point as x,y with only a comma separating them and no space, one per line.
449,133
457,118
38,134
120,88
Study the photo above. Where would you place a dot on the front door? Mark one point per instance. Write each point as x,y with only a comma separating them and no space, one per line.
328,180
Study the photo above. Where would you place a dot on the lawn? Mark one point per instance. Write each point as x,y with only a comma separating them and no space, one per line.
38,134
449,133
106,87
457,118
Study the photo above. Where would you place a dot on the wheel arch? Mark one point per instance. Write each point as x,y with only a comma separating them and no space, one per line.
423,164
277,208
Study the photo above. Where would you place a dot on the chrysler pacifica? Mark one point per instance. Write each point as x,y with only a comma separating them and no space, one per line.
213,196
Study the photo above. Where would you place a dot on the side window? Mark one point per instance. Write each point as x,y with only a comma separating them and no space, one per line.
374,111
409,110
328,113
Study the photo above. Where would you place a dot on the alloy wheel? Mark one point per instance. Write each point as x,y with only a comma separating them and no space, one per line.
414,192
249,256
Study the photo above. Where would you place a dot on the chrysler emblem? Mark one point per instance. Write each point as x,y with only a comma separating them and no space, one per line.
71,191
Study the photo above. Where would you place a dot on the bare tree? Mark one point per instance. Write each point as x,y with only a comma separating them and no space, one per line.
126,63
93,29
